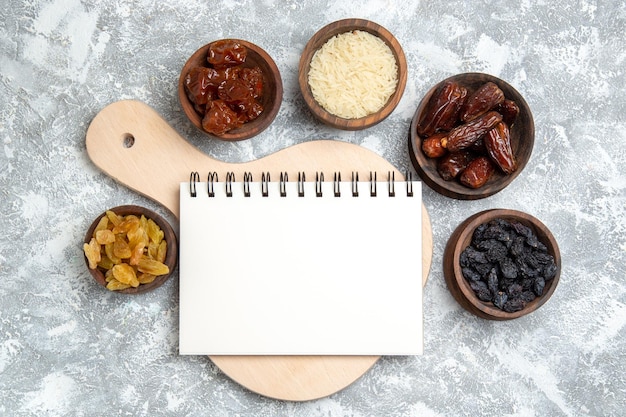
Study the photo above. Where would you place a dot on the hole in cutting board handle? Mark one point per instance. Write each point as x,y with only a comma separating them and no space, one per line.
128,140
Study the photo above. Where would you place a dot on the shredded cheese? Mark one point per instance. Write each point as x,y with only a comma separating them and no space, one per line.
353,74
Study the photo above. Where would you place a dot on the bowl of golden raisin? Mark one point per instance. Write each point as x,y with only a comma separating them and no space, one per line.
130,249
230,89
471,136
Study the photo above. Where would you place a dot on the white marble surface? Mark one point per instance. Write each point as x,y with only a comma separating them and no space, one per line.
69,348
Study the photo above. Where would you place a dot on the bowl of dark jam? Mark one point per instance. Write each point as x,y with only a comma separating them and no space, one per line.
501,264
230,89
471,136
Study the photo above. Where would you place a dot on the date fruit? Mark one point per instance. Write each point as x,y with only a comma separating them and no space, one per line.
442,110
509,111
463,136
432,146
468,130
452,164
498,145
488,96
477,172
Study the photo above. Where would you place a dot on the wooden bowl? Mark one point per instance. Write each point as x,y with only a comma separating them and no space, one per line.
461,239
522,133
171,257
318,40
271,99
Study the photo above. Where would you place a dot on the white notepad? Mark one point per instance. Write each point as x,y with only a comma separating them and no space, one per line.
293,274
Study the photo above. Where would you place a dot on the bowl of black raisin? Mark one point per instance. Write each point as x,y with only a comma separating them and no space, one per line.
501,264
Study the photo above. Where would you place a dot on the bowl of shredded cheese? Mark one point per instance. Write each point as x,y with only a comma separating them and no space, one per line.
352,74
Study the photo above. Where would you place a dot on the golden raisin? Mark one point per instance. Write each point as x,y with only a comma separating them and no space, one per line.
113,218
121,248
129,250
144,278
161,252
154,232
151,266
92,252
136,253
125,274
115,285
105,236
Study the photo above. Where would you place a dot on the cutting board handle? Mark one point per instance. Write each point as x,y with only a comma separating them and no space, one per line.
130,141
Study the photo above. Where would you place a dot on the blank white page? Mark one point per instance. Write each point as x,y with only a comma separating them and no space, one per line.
301,275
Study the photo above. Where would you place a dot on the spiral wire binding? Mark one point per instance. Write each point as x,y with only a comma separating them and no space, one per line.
210,183
247,179
391,179
301,179
355,184
319,179
408,179
373,184
283,184
337,184
194,177
230,178
265,179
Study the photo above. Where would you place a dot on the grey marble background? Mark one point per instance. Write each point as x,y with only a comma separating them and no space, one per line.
69,348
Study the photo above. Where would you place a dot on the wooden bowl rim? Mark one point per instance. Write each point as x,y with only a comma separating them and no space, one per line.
171,257
426,167
319,39
253,128
460,239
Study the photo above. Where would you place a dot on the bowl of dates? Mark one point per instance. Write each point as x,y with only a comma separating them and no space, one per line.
130,249
471,136
352,74
230,89
501,264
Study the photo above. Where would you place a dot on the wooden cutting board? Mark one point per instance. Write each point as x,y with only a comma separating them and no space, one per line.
130,142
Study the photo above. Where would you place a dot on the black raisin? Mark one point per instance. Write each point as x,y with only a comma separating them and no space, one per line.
497,232
549,271
494,250
492,281
527,271
481,290
508,268
514,290
500,299
470,274
531,238
544,258
483,269
539,285
518,246
477,236
516,304
475,256
527,283
528,296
